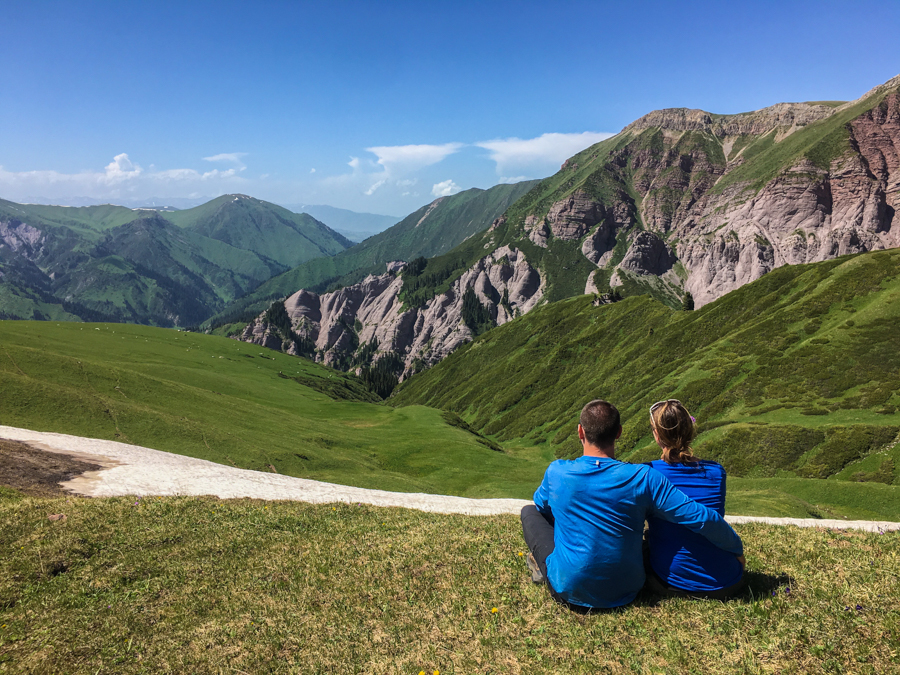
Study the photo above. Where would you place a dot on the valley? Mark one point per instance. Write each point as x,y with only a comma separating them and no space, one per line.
745,264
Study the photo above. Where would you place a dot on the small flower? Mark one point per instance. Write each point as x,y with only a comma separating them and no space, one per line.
787,590
859,608
521,554
494,610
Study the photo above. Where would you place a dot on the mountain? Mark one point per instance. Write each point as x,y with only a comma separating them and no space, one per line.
145,266
682,205
795,374
355,226
432,230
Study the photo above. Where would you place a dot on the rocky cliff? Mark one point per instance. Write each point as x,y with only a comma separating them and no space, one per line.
688,201
370,317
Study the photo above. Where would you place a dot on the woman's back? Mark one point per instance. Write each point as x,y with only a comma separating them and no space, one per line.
683,559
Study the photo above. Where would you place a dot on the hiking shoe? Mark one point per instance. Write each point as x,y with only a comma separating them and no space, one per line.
536,575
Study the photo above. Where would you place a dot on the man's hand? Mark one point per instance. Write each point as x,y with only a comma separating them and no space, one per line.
743,561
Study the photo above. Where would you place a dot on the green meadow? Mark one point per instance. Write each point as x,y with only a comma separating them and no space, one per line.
199,585
239,404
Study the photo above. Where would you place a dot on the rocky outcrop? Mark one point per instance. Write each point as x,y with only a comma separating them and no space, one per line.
648,254
21,238
661,183
572,217
781,115
371,312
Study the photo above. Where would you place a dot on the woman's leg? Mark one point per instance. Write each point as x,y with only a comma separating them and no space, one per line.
537,530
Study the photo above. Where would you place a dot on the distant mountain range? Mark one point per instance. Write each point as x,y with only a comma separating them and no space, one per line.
113,263
432,230
355,226
683,205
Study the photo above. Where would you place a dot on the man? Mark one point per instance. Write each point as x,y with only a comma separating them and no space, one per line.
586,528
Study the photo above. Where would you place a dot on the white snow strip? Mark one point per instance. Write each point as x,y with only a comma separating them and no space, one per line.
134,470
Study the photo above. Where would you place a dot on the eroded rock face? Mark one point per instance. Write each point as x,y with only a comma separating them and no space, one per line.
21,238
370,311
648,254
729,238
571,218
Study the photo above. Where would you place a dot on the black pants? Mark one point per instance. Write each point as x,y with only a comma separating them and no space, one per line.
538,532
537,529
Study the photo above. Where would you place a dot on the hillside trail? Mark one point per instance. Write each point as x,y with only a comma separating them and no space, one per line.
98,468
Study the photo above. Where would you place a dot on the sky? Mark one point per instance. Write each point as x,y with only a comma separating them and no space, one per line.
381,107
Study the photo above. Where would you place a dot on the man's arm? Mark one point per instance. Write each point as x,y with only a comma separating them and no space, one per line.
669,503
542,494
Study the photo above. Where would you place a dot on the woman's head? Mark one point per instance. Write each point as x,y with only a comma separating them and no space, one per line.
673,428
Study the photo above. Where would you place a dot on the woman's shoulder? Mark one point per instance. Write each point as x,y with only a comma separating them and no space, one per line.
699,465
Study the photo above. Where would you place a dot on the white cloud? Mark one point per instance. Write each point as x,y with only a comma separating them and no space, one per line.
121,169
375,186
405,158
312,170
445,188
353,163
230,157
546,149
121,177
407,182
512,179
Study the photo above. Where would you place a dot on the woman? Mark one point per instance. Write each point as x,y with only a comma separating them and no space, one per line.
681,561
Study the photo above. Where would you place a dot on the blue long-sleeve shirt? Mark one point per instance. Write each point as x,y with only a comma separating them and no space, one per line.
599,506
681,558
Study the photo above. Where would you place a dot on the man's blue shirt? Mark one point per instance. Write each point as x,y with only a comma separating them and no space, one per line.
599,506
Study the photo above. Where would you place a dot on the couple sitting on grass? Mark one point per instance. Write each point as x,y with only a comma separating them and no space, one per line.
585,531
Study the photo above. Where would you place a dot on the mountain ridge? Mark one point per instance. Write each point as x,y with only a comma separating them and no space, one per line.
146,266
653,210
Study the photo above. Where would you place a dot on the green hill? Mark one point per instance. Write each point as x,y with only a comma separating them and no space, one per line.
794,375
269,230
432,230
142,266
235,403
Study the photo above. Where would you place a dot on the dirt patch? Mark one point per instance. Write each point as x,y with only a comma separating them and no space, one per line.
36,472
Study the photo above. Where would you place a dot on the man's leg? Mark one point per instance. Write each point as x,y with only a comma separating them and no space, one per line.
538,533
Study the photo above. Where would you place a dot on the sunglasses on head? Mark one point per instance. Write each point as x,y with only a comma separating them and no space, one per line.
658,404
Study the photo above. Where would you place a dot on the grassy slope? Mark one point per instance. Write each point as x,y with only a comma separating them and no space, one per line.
453,220
796,374
88,221
264,228
228,402
125,265
208,586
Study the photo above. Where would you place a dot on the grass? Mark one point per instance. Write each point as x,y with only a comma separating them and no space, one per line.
239,404
200,585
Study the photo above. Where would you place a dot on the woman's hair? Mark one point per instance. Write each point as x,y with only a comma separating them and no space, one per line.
675,428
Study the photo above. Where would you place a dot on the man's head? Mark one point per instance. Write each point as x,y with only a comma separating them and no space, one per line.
600,422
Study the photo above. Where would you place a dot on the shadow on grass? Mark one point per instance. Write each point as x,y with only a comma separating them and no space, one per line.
757,585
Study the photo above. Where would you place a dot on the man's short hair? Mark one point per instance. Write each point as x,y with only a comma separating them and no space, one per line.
600,421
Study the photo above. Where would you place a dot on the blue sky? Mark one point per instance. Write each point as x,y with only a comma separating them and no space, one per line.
381,106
